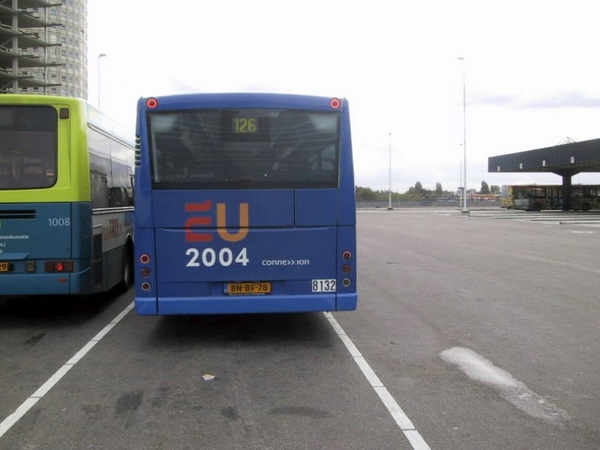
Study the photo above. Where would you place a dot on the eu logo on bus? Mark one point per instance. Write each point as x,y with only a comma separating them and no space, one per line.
205,220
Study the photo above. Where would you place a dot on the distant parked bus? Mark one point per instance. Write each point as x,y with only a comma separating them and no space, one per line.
66,198
506,197
245,203
537,197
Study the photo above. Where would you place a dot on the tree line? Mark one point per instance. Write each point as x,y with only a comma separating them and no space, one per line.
418,192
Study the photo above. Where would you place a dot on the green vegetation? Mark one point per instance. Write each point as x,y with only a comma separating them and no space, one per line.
417,193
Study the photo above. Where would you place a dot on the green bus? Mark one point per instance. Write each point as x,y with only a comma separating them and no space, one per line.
66,198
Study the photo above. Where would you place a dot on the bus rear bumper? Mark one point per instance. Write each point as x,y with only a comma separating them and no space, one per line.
244,304
14,285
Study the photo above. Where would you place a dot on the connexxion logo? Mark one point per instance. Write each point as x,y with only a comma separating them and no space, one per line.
204,219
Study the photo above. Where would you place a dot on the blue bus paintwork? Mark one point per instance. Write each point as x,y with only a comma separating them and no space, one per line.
293,235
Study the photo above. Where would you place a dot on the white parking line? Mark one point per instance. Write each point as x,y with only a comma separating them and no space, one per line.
402,420
51,382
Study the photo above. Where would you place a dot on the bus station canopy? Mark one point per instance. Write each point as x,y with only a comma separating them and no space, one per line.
564,159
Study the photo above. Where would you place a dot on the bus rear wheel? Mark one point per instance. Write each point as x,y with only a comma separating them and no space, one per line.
126,269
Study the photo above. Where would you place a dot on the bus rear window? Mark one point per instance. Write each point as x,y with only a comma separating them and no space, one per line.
28,152
244,148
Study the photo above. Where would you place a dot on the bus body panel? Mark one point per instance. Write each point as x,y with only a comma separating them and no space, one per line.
244,305
176,209
43,232
40,230
33,234
111,230
276,208
237,100
191,256
276,249
316,207
346,189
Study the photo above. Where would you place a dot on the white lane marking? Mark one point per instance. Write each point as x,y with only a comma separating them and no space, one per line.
514,391
51,382
399,416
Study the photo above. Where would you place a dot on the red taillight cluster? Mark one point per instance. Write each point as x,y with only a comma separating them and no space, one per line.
145,271
347,268
59,266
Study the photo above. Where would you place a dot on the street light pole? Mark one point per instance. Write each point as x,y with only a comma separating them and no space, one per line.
464,209
460,171
390,176
101,55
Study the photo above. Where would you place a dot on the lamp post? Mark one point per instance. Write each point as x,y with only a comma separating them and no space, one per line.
464,209
390,176
101,55
460,171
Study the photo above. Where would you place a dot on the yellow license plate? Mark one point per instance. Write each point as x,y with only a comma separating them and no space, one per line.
248,288
5,266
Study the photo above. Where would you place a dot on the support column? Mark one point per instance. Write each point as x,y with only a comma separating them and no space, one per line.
566,191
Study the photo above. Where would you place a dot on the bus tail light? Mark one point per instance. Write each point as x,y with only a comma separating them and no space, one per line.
30,266
145,272
59,266
151,103
347,268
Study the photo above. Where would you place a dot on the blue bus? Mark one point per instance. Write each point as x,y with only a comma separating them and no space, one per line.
66,198
245,203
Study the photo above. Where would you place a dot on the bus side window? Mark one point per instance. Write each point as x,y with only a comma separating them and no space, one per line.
99,184
117,197
130,191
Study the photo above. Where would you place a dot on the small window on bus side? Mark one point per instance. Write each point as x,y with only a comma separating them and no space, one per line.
99,190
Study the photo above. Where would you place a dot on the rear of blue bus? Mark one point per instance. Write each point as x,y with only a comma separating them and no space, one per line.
245,203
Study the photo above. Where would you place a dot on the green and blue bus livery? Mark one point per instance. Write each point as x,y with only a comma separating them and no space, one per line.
66,198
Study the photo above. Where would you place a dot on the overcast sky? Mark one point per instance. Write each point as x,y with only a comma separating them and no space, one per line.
532,71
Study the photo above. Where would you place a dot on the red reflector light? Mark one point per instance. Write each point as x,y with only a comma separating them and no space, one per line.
151,103
335,103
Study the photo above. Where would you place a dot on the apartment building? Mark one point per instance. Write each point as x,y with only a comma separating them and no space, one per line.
43,47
